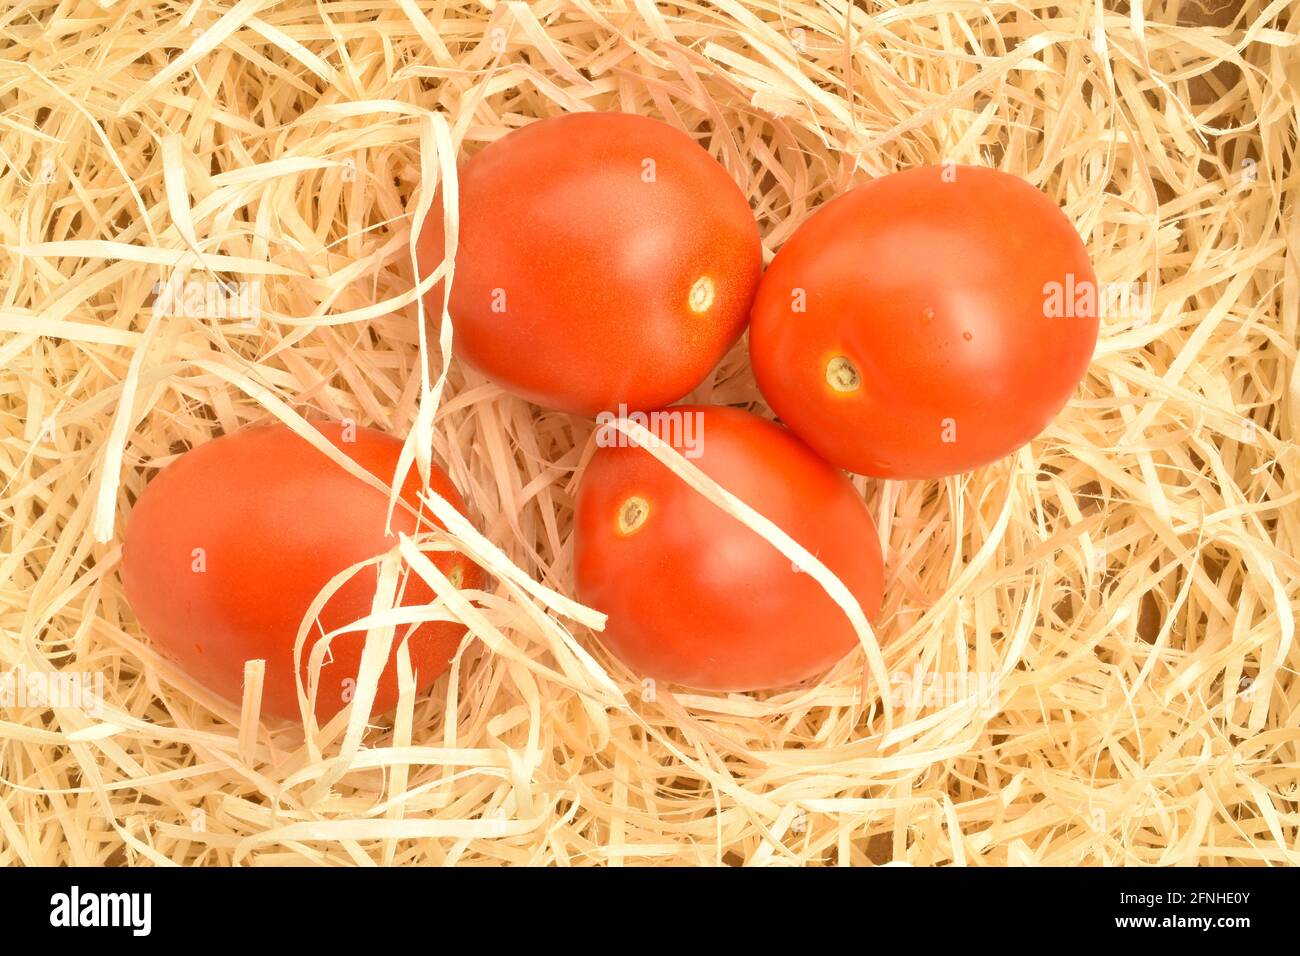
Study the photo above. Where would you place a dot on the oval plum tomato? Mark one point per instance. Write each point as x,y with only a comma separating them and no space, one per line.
228,546
695,597
925,323
603,259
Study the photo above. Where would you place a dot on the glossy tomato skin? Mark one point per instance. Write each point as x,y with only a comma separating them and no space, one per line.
228,546
603,259
695,597
934,284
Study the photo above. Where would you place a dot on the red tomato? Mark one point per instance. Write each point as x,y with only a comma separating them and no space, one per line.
696,597
228,546
906,330
604,259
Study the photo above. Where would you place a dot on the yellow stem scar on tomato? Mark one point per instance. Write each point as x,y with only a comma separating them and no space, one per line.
701,298
842,375
632,514
456,576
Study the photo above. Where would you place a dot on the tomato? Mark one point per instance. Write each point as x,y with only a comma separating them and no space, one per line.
695,597
911,328
603,259
228,546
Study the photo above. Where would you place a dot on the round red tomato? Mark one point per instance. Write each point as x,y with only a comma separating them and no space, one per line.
695,597
229,545
925,323
603,259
